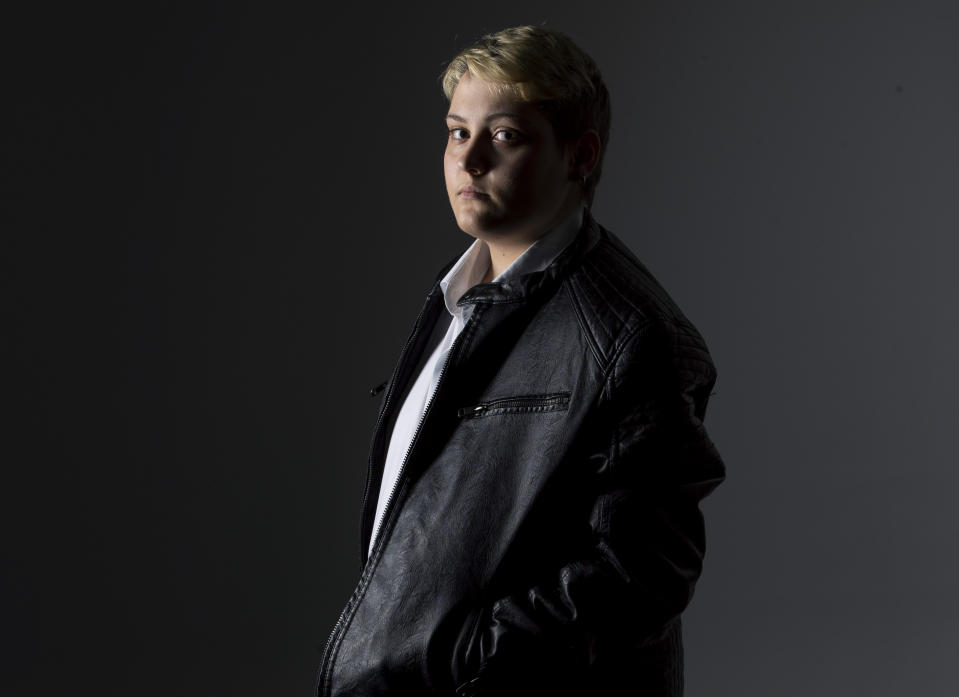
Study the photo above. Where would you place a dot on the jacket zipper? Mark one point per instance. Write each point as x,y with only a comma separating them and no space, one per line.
385,410
324,668
416,434
366,489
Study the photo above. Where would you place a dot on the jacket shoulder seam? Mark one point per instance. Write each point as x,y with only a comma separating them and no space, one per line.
580,314
617,354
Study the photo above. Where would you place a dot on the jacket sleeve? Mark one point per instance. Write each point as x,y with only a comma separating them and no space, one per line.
650,463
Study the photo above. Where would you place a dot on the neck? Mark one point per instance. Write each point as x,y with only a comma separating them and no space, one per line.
502,255
504,252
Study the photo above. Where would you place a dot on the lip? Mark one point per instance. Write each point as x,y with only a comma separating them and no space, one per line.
472,192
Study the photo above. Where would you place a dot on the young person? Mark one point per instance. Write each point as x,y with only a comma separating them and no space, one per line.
532,521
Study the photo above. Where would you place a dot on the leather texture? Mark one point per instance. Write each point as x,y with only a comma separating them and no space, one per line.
545,534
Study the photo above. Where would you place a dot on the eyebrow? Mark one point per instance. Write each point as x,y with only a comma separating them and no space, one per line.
490,117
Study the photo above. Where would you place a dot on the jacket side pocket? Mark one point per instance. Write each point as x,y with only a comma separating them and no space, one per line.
520,404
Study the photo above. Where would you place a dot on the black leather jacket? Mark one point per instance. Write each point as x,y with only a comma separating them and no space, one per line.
545,533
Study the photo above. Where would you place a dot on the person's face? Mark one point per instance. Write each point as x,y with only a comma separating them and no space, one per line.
507,178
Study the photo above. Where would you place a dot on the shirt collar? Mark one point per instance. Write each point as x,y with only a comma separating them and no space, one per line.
472,266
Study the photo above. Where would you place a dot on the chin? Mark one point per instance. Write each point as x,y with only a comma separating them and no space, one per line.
475,226
489,233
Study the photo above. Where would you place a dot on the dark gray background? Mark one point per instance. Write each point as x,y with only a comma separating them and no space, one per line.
219,221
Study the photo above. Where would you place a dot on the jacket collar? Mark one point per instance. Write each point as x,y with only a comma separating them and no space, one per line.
474,263
521,286
518,287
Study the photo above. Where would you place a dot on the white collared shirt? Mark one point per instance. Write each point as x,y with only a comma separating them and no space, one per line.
468,270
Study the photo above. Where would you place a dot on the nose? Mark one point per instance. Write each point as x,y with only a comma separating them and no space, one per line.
475,156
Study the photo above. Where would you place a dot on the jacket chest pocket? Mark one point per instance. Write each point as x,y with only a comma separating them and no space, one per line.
520,404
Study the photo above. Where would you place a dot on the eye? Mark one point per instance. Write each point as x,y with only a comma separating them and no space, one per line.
458,133
506,135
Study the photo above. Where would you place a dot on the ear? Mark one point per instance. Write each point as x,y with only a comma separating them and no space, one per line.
584,154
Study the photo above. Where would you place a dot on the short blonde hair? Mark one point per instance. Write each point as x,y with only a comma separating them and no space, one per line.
545,68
